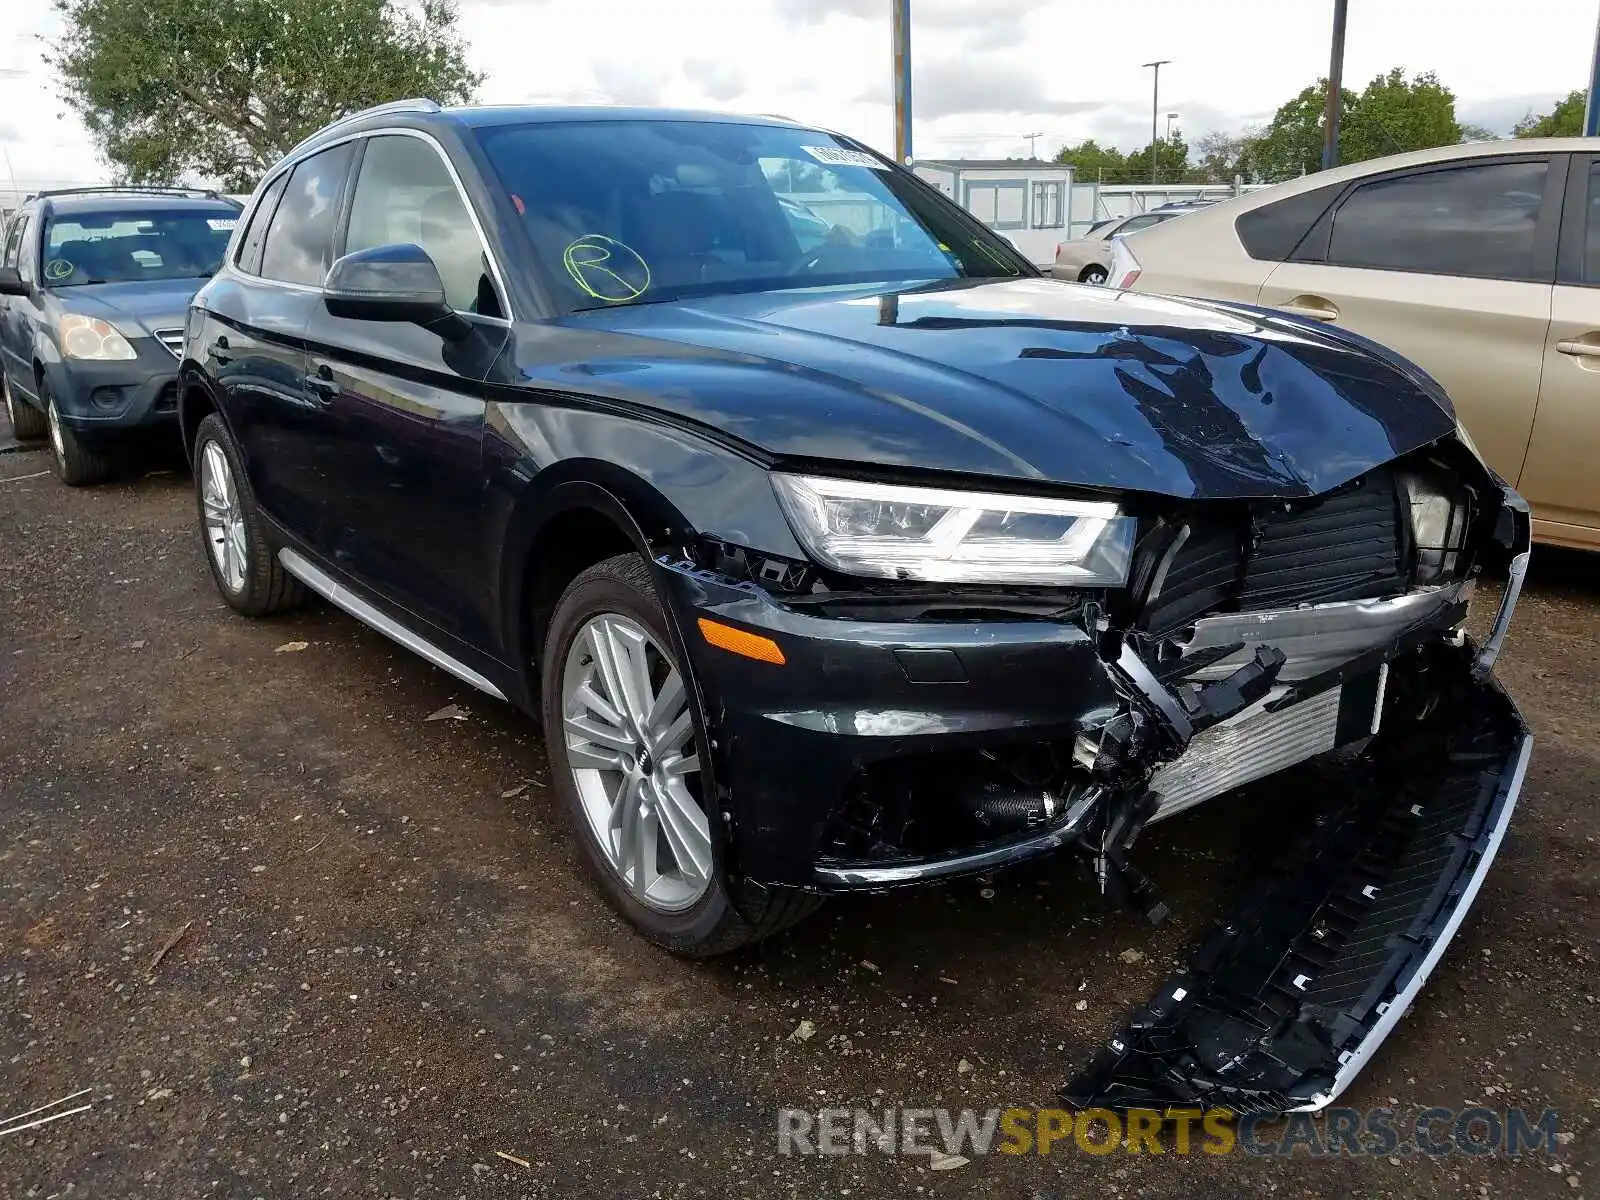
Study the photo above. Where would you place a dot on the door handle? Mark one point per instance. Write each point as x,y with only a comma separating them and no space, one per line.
1313,307
1579,349
323,384
218,350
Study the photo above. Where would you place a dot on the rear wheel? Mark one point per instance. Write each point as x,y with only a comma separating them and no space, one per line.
246,570
76,464
27,422
1092,274
624,740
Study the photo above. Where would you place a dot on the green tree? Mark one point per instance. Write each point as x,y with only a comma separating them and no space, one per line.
1564,120
1172,162
1224,157
1291,145
1092,161
220,89
1394,114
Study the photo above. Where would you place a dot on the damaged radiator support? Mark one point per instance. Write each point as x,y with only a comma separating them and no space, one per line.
1283,1004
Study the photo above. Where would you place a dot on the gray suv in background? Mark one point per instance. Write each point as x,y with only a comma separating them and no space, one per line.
94,286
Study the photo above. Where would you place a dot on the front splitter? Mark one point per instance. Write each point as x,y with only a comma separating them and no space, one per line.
1282,1005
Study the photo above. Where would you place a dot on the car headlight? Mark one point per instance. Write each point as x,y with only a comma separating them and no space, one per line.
892,532
92,338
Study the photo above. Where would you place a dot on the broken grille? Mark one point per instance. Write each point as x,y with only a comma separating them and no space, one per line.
1346,546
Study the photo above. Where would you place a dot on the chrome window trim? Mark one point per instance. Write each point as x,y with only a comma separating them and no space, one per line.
289,164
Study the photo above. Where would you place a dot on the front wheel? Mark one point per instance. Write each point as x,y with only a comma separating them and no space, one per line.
76,464
27,422
623,733
243,565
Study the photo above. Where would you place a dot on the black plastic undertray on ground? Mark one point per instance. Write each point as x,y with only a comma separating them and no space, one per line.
1283,1004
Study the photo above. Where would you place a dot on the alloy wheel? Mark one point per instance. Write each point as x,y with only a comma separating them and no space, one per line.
1095,275
224,521
630,744
58,442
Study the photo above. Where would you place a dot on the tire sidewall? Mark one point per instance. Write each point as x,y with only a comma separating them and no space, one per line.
212,431
593,593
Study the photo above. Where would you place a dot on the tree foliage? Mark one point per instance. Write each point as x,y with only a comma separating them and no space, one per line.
1564,120
1394,114
220,89
1091,161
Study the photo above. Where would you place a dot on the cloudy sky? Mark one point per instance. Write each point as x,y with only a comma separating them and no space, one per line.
986,71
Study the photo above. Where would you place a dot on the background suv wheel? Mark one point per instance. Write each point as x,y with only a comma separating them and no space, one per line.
27,422
624,735
77,465
243,564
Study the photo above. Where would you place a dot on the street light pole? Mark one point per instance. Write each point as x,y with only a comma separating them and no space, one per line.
1330,118
1171,117
902,81
1155,109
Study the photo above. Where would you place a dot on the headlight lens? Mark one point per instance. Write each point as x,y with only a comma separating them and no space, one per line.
891,532
90,337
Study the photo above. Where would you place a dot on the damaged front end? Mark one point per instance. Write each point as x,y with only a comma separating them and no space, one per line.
930,732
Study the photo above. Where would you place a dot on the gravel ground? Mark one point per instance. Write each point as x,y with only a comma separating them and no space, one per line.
388,969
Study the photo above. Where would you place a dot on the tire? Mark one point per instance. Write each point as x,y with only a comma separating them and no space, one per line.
76,465
1092,274
244,564
27,422
614,604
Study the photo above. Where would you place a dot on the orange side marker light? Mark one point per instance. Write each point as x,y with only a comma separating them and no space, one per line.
737,641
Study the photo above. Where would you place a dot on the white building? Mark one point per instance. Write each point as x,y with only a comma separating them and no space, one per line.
1027,201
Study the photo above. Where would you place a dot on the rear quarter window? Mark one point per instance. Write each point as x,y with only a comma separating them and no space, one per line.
1273,231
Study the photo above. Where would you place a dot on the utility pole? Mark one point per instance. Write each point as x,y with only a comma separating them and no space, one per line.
1171,117
902,80
1155,109
1591,110
1330,118
1033,141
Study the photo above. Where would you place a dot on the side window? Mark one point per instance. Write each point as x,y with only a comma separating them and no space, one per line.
249,256
1274,231
1475,221
14,239
1591,240
404,193
25,258
300,238
1134,224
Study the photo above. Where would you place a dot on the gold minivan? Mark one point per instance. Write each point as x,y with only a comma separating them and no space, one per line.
1480,263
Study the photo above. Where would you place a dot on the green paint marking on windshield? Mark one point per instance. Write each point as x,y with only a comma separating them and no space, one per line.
607,269
1008,268
58,268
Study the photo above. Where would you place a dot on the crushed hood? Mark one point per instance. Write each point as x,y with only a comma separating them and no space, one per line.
1028,379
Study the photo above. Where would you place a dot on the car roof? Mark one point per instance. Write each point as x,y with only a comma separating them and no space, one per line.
478,116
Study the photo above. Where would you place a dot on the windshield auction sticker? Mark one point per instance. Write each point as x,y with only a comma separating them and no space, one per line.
837,156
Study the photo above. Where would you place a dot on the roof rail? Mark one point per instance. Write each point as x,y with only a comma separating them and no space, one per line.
127,189
417,104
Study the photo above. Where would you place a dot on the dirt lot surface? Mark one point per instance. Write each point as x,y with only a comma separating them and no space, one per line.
391,970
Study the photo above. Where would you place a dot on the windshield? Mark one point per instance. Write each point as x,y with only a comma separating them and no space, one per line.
118,247
627,212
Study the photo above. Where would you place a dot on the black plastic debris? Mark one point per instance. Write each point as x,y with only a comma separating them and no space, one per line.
1282,1005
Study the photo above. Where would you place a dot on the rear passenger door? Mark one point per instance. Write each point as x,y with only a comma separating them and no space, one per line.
1451,265
1560,478
404,407
15,355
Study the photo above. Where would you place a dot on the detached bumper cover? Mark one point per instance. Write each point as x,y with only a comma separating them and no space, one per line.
1285,1003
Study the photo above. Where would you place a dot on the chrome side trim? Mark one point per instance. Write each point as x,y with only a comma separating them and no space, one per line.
1351,1067
966,864
330,589
1502,619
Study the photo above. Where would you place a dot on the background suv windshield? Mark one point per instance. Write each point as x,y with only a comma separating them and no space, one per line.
635,211
116,247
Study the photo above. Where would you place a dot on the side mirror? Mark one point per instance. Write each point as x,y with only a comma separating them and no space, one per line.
11,283
387,283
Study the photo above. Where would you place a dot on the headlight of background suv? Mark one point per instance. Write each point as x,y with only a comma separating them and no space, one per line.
92,338
891,532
